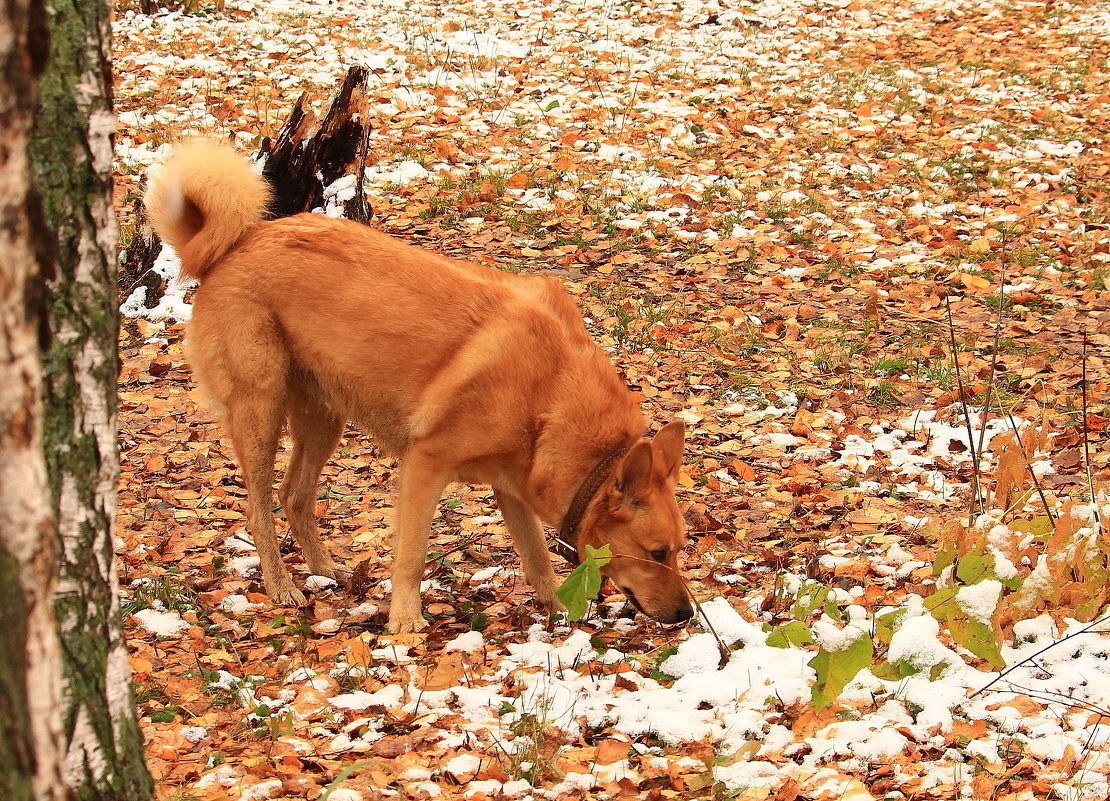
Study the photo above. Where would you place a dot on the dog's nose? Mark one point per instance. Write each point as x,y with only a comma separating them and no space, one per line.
684,614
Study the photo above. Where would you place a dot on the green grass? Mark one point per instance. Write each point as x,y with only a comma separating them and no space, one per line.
168,592
890,367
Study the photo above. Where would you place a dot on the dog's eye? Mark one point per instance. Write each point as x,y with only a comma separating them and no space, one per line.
660,555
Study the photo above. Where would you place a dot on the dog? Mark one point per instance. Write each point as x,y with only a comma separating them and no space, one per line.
465,373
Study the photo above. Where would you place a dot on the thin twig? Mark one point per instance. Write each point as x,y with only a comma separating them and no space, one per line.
433,565
997,339
725,652
1087,443
1056,697
1029,466
977,493
1031,657
721,647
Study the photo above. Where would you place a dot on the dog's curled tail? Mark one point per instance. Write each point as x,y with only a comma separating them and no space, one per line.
202,200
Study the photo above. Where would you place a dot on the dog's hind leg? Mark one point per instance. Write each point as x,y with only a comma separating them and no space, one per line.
527,534
315,433
255,424
243,367
421,482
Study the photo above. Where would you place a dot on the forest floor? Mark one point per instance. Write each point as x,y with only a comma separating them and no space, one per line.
828,235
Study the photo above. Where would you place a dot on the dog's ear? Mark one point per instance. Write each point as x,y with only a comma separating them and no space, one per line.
634,473
668,445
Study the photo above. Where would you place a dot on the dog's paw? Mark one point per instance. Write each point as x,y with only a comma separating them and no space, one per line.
333,571
405,625
289,596
551,604
341,574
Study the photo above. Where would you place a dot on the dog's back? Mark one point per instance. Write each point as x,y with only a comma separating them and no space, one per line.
330,312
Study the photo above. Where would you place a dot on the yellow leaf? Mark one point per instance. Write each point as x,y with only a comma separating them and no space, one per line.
218,658
980,245
975,283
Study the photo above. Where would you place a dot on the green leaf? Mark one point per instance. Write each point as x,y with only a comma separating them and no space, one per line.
164,715
1040,527
584,582
977,637
656,672
1088,610
942,604
886,624
890,672
974,567
811,597
945,556
978,566
793,633
836,668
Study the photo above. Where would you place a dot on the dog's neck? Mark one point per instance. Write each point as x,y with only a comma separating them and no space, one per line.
560,480
589,413
567,543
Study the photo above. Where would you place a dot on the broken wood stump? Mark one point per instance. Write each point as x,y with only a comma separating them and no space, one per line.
311,166
301,165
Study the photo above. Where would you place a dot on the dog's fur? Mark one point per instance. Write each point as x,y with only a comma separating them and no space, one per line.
465,373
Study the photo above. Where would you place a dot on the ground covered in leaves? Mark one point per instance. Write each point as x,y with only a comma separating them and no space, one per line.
788,222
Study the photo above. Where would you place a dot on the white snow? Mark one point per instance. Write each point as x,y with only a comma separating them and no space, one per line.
171,303
469,641
237,604
462,767
981,599
164,624
388,697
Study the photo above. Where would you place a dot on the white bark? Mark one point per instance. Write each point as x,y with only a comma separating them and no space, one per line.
26,531
85,520
25,525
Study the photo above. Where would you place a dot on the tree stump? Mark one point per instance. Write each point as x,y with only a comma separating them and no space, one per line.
297,160
303,164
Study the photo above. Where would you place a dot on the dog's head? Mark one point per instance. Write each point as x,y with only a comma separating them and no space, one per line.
636,515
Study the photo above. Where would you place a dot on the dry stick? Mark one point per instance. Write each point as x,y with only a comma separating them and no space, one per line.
1031,657
1057,697
975,488
1053,697
997,339
721,647
436,562
1087,441
1029,466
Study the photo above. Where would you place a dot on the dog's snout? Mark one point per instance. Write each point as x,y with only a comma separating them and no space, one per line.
683,614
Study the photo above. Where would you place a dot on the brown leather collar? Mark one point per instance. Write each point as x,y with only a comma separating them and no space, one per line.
564,544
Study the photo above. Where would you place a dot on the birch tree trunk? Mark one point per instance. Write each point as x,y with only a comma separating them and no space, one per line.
30,742
71,150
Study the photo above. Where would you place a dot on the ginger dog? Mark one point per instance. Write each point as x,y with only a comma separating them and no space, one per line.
465,373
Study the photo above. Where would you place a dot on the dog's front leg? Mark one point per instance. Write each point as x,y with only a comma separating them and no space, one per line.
527,534
420,485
